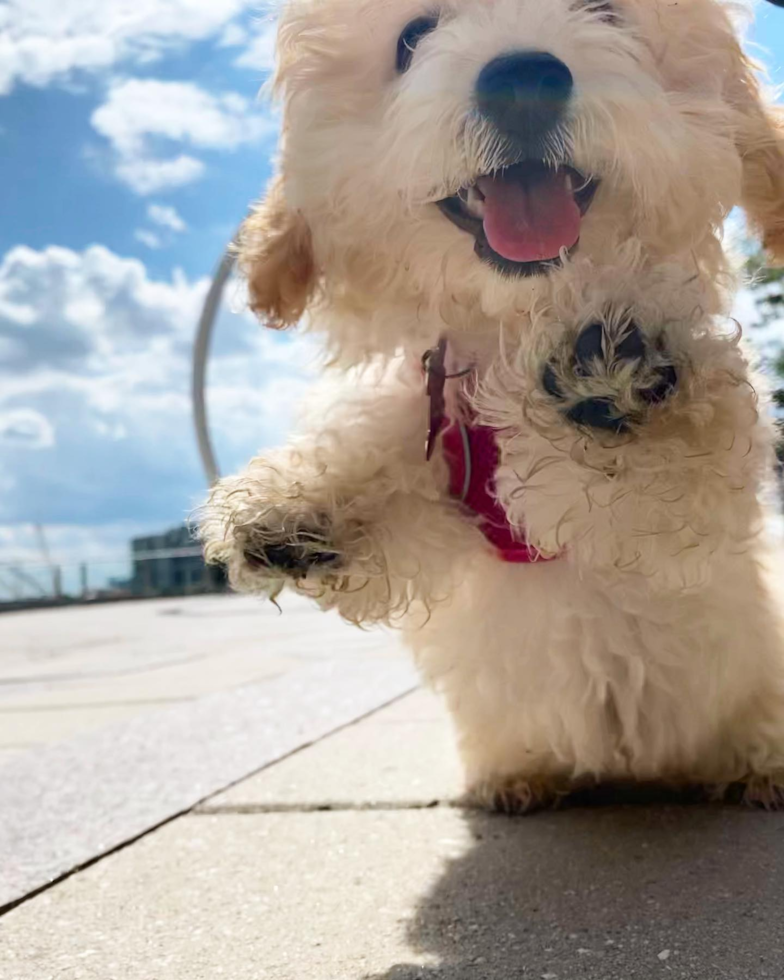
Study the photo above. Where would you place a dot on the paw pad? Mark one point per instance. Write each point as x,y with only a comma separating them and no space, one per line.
294,555
606,381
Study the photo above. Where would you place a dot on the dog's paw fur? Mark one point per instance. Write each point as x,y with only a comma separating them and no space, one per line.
292,553
764,792
517,796
760,791
609,378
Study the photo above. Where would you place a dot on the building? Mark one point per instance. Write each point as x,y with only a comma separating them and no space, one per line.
171,563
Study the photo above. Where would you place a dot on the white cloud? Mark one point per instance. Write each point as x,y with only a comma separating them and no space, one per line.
140,116
45,41
137,109
95,375
21,544
72,311
148,238
167,222
232,36
166,217
259,54
766,338
147,175
26,429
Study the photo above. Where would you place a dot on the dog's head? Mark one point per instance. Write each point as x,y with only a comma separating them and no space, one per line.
473,150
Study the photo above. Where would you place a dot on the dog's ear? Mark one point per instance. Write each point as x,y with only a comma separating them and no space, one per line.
276,256
760,140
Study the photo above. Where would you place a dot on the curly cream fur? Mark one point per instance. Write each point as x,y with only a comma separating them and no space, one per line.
652,647
367,498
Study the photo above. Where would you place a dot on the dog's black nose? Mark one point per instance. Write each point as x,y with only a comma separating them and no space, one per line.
524,94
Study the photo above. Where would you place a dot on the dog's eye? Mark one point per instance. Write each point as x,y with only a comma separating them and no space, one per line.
411,36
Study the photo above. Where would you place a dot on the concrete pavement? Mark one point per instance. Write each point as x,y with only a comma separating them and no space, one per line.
346,862
68,670
350,859
68,801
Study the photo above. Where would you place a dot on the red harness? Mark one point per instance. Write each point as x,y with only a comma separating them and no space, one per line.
471,452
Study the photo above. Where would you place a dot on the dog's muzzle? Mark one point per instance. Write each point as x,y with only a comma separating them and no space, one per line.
526,213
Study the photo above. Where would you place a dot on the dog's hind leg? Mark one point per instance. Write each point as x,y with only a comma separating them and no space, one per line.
749,754
519,795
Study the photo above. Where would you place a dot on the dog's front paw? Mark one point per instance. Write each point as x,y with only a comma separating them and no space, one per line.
609,378
265,531
291,552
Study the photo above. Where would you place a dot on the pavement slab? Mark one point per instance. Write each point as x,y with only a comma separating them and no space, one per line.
32,727
440,894
71,670
260,882
65,804
191,678
402,755
167,647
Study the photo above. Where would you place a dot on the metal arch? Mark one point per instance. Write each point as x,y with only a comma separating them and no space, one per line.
201,352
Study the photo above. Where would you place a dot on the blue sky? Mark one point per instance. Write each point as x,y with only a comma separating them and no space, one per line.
131,142
768,33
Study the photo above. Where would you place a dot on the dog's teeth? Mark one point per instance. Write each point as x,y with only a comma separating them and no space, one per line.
569,183
474,202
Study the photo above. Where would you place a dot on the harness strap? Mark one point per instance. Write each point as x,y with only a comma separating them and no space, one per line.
471,452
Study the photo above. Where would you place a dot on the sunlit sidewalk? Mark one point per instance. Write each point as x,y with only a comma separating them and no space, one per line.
307,826
350,860
70,670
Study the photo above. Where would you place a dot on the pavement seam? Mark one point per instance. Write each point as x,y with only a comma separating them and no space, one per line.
259,809
305,746
84,865
10,906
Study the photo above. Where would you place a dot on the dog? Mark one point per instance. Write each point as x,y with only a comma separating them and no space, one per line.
546,456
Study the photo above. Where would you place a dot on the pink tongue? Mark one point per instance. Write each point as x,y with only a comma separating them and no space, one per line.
530,218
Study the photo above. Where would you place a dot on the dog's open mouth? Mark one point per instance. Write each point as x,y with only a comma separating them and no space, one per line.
523,216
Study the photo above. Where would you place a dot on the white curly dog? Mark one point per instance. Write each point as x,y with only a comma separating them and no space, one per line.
505,218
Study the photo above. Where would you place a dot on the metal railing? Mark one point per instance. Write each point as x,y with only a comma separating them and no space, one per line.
163,571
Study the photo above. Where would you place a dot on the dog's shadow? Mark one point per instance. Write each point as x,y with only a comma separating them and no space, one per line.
606,891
